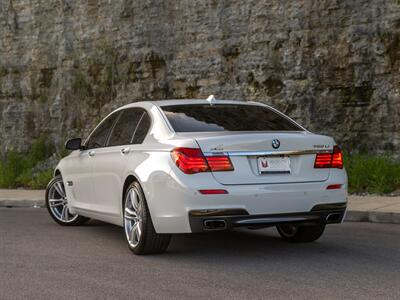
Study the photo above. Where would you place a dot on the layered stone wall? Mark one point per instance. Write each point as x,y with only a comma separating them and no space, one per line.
334,66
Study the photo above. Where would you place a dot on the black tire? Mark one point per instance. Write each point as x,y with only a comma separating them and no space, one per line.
300,233
150,242
75,219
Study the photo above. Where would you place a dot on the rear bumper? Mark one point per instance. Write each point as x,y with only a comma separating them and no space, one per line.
172,198
212,220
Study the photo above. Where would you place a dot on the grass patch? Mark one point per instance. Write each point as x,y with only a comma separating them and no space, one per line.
374,174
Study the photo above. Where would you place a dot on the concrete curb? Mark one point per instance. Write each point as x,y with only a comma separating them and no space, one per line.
351,215
22,203
22,198
372,216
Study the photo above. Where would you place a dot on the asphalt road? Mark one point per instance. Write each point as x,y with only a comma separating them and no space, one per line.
42,260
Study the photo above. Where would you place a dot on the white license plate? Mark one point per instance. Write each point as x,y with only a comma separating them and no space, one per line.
273,165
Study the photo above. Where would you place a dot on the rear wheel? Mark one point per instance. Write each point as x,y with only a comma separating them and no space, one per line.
57,204
300,233
139,230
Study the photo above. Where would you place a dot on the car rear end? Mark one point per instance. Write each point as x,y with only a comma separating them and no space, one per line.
242,164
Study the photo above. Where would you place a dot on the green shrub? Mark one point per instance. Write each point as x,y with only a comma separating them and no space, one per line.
40,150
372,173
10,167
32,180
17,169
25,178
41,179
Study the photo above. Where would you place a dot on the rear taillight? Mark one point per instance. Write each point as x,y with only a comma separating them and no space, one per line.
329,160
323,160
219,163
192,160
189,160
337,158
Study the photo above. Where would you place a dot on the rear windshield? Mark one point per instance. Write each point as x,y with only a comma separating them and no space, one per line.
226,117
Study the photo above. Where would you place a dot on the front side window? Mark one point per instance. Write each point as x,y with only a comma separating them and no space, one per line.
124,129
226,117
99,136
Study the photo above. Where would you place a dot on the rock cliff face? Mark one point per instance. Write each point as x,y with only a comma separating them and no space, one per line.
334,65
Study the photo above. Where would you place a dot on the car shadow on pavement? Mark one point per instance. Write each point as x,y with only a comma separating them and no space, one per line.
233,243
241,241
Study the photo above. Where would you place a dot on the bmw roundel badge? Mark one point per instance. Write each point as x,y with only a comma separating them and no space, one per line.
276,143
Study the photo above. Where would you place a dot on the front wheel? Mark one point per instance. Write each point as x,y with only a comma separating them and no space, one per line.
139,230
57,204
300,233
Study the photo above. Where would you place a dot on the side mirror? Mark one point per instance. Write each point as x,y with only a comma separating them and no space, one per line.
74,144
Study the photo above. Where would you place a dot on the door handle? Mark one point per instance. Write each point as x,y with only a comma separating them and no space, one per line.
91,153
125,150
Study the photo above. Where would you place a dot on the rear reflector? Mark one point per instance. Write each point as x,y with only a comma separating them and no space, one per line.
213,192
329,160
334,186
192,160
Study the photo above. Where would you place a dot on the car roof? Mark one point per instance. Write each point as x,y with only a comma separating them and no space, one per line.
150,105
198,101
161,103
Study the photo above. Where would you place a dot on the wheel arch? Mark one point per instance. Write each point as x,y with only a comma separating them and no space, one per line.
57,172
128,180
132,177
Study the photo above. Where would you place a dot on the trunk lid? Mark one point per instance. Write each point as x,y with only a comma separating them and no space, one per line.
247,150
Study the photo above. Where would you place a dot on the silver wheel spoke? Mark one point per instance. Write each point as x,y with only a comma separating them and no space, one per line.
59,188
55,202
139,230
130,214
64,213
135,233
134,200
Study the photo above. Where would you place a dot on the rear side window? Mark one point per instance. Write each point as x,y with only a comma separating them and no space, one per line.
99,136
142,129
226,117
124,129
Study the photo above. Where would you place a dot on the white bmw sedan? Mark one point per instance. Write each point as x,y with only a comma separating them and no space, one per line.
180,166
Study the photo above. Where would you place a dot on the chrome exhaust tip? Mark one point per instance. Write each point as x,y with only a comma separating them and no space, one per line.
334,218
215,225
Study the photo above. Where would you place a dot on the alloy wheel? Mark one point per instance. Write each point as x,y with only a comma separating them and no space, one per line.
58,202
133,217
